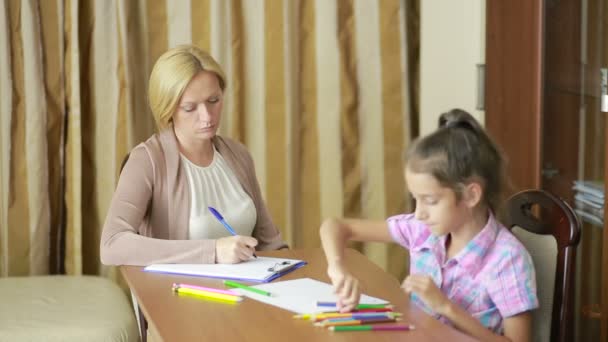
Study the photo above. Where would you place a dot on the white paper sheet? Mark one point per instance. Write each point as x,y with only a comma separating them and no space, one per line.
301,295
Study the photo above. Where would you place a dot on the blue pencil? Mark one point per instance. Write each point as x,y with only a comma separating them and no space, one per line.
220,218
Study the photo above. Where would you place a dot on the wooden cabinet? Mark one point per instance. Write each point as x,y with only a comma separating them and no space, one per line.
543,90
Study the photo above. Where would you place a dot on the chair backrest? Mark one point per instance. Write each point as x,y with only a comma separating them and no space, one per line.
550,230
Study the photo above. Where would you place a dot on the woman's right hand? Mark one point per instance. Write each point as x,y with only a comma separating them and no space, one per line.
234,249
346,287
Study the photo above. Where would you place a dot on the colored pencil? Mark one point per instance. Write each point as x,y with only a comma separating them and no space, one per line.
247,288
353,314
361,311
322,316
330,323
382,327
206,294
360,306
363,317
373,310
208,289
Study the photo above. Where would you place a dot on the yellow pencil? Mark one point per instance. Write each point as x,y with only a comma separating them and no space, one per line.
207,294
330,323
302,316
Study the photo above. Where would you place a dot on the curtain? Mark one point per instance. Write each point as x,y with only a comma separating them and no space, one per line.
320,91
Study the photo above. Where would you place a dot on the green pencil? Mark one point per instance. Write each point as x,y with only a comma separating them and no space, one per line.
382,327
374,306
247,288
360,306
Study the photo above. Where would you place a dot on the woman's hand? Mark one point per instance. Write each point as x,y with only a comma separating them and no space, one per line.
346,287
234,249
425,288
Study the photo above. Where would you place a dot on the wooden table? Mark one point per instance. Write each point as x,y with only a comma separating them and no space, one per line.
175,318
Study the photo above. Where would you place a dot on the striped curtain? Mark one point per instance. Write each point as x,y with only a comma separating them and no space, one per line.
319,90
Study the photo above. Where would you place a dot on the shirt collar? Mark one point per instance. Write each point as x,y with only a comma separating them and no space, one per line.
429,243
473,253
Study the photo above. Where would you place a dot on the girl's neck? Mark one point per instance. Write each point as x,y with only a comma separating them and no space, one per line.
199,152
458,239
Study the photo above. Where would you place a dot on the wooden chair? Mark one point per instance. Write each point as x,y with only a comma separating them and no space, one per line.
142,323
550,230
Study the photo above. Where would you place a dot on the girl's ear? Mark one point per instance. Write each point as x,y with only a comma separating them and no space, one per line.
472,195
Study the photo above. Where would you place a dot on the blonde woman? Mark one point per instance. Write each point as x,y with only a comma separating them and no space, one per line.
159,212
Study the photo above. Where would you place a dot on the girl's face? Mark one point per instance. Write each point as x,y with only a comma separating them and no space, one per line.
198,113
436,205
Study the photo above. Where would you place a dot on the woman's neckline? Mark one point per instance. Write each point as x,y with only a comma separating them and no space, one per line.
190,162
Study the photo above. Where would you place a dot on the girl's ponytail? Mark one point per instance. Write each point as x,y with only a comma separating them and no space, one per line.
458,152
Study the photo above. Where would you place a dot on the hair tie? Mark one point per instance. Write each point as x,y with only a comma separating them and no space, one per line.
452,123
460,124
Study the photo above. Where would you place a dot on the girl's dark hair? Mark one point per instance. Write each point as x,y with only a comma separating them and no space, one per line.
459,152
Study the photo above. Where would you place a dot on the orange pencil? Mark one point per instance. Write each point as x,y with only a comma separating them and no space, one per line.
330,323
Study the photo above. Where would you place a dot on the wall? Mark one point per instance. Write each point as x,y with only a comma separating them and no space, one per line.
452,43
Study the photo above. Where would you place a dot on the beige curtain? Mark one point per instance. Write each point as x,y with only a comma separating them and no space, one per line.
319,90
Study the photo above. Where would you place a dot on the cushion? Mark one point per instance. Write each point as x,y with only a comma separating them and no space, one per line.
65,308
543,250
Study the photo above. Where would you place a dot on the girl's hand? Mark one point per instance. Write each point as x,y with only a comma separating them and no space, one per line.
346,287
425,288
234,249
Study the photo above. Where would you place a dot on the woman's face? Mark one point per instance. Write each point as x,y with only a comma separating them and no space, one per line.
198,112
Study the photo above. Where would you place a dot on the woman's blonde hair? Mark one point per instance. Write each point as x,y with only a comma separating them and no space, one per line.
171,75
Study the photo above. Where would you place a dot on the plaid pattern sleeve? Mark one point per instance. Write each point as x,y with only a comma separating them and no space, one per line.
406,230
513,288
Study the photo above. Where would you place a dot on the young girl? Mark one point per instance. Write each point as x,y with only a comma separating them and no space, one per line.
466,269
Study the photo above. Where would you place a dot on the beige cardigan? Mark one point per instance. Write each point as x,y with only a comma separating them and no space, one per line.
148,219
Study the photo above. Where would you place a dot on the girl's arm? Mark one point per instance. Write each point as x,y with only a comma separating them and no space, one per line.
516,328
334,235
336,232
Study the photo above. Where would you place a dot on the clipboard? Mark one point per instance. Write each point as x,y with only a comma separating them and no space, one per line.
260,270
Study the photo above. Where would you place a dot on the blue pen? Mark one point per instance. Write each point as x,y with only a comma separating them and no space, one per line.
220,218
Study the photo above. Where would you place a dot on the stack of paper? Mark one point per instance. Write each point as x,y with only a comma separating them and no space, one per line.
589,201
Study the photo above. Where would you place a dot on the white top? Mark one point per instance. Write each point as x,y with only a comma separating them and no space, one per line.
217,186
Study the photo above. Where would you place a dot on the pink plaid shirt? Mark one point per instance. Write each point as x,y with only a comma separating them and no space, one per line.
491,278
